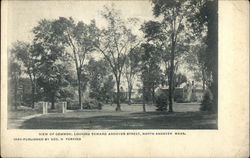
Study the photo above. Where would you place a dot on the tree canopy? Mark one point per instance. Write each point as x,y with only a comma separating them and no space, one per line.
68,57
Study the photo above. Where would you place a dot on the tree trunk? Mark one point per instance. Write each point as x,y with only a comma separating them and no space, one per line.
129,94
203,81
15,95
143,105
32,81
143,98
129,97
33,95
153,94
171,77
170,93
79,88
23,94
212,41
53,101
118,107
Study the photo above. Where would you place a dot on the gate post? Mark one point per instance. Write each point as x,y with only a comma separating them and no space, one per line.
47,103
64,107
45,107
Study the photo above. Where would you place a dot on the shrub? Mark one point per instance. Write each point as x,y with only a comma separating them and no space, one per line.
122,97
92,104
178,95
73,105
161,102
136,100
87,104
207,103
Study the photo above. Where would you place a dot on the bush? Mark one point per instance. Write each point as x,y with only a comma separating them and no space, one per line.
207,103
122,97
73,105
161,102
136,100
92,104
178,95
87,104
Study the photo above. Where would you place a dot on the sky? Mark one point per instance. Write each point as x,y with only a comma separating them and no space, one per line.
24,15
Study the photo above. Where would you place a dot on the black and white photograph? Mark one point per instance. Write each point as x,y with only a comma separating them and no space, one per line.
113,65
124,78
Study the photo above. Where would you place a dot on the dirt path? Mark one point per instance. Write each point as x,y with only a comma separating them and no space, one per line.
14,123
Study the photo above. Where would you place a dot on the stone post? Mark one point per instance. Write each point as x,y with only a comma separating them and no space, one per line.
45,107
64,107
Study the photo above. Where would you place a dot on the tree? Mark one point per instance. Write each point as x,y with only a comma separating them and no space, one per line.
179,79
195,60
14,75
131,68
150,72
79,38
171,31
51,54
23,52
52,81
114,43
108,89
205,19
100,82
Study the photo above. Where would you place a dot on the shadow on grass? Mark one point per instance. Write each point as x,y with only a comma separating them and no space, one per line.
149,120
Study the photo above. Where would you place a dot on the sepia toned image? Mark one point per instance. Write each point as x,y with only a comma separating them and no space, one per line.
124,78
107,65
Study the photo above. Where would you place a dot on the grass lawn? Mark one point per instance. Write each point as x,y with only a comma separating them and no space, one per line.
186,116
16,117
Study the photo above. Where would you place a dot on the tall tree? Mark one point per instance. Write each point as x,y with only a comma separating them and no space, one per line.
171,31
195,60
131,68
206,19
79,38
115,42
150,72
23,52
107,90
14,77
52,68
100,81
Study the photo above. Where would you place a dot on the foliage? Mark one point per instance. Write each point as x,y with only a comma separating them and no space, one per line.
92,104
100,81
137,100
206,18
178,95
66,93
161,101
108,89
208,103
52,66
14,77
53,81
114,43
132,68
170,35
150,71
23,52
179,79
78,37
180,29
25,91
